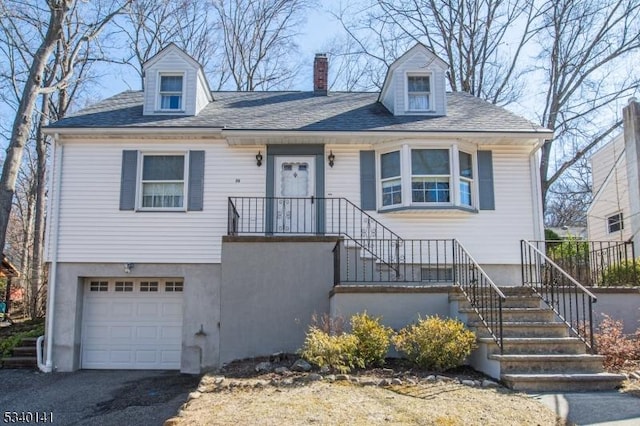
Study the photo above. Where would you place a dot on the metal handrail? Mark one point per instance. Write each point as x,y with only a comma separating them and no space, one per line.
311,215
588,261
560,291
483,294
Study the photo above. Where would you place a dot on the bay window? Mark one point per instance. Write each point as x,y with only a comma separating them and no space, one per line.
430,176
391,178
427,178
466,178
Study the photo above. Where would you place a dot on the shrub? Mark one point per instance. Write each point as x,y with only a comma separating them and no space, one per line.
625,273
374,339
435,343
614,345
337,352
8,343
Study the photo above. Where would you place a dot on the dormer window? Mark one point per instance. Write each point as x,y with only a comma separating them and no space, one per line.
171,89
419,92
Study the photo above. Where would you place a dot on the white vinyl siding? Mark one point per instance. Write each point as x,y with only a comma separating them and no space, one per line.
171,64
395,98
611,192
504,227
100,232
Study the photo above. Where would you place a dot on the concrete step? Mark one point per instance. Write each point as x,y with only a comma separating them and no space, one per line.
28,341
536,345
581,382
548,364
517,314
20,362
524,329
510,302
24,351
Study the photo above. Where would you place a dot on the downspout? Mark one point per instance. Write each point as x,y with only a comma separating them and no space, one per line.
538,215
47,367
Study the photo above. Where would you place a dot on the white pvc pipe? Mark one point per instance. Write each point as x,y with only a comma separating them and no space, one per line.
51,291
41,365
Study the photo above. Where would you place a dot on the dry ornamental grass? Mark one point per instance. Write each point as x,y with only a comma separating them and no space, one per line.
345,403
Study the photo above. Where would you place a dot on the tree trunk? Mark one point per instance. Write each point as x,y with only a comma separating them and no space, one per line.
24,115
40,207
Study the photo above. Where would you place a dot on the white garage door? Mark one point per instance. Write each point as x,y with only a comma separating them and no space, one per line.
132,324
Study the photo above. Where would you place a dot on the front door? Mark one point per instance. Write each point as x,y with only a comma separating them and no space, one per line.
294,195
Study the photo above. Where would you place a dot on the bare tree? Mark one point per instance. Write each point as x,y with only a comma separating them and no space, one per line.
569,199
150,25
51,71
586,49
259,40
482,41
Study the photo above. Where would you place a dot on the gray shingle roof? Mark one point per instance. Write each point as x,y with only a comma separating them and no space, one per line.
302,111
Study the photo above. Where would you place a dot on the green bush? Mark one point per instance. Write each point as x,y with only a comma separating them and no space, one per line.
8,343
625,274
337,352
436,344
374,339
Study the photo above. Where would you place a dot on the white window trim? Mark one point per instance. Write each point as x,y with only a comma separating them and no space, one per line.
429,94
159,95
406,177
621,222
185,187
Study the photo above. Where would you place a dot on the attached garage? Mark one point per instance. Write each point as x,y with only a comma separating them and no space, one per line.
132,324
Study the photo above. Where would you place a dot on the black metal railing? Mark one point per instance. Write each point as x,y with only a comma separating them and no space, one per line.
484,296
569,299
405,261
593,263
313,216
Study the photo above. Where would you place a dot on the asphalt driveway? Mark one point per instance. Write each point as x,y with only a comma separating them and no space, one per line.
96,397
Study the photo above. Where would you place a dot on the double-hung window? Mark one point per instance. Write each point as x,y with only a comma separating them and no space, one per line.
390,172
418,93
430,176
615,223
171,89
163,181
466,178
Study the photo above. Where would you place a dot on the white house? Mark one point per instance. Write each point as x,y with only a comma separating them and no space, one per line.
613,213
188,228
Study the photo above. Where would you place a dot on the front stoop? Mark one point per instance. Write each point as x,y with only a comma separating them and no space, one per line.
23,356
539,353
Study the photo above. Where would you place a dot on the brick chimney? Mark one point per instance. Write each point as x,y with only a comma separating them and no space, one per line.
320,74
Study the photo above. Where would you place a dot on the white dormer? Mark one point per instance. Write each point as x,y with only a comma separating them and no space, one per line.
416,84
174,84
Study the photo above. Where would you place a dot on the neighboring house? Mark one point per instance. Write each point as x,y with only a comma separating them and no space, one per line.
609,210
188,228
612,215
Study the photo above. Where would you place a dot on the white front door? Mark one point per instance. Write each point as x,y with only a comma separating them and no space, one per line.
294,191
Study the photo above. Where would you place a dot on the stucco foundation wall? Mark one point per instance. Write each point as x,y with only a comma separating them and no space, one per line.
270,290
620,304
397,307
201,297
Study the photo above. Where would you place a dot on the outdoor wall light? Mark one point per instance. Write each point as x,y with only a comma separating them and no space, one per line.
259,159
331,158
128,267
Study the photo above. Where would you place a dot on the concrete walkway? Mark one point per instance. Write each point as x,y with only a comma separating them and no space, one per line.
593,408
